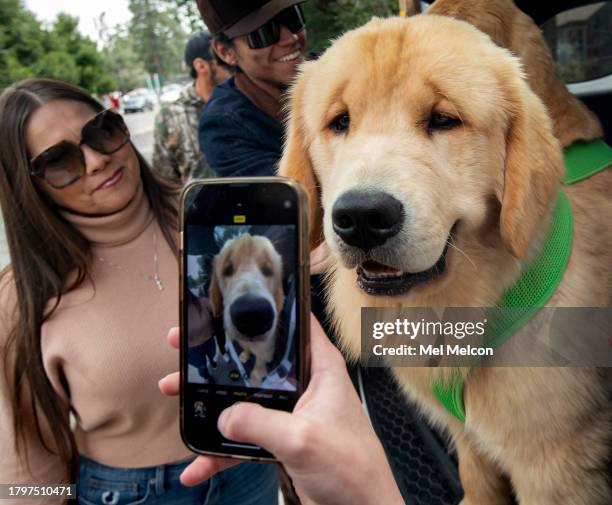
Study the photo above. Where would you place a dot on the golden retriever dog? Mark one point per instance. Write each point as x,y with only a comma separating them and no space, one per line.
433,169
247,290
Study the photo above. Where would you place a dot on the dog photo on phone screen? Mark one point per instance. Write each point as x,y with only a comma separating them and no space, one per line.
241,308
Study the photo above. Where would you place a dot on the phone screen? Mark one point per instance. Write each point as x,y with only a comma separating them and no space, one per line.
242,314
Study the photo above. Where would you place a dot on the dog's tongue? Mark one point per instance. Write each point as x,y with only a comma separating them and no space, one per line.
378,268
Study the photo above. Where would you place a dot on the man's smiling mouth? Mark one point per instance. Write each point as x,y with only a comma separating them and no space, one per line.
290,57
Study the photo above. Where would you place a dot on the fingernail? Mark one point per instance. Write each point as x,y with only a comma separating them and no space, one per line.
161,382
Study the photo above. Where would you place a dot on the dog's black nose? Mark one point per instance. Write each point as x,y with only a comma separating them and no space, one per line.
252,315
367,220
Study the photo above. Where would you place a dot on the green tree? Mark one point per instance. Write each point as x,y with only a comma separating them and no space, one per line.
22,42
57,65
29,50
121,61
188,14
159,39
74,58
328,19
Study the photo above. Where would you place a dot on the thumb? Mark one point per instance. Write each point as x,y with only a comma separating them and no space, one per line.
273,430
325,356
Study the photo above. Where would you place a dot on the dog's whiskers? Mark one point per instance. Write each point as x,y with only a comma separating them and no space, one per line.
451,243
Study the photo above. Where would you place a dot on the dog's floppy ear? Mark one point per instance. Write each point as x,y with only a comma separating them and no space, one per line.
533,169
295,162
214,294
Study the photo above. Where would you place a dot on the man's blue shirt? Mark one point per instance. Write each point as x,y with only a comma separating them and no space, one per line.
236,137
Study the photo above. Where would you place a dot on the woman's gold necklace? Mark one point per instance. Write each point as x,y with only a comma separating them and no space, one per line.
153,278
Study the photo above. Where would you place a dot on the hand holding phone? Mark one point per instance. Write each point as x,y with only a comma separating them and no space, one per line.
244,304
327,444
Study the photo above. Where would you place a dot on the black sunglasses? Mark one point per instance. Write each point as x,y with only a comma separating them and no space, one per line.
63,163
269,33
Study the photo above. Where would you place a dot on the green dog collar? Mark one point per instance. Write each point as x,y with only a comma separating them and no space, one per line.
584,159
541,278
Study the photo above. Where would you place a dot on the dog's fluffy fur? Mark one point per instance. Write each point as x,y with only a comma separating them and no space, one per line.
493,180
248,265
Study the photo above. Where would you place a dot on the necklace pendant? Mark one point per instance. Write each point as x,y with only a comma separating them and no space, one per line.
158,282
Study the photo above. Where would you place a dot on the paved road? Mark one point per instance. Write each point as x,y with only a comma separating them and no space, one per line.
141,129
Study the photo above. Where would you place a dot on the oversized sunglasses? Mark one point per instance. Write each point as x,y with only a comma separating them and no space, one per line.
63,164
269,33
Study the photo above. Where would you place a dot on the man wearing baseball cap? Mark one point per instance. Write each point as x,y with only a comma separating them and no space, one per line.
241,129
176,153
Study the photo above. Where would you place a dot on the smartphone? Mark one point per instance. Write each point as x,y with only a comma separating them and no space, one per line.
244,303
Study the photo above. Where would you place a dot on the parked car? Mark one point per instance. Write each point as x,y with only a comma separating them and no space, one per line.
139,100
170,93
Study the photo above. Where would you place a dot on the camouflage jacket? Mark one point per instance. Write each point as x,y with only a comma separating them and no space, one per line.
176,152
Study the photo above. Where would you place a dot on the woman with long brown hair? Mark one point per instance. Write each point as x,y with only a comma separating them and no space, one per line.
84,308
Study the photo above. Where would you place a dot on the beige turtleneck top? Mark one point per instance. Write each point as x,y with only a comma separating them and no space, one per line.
104,351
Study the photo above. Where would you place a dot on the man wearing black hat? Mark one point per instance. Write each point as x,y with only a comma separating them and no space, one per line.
176,153
241,128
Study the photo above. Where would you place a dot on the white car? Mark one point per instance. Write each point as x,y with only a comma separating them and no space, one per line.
170,93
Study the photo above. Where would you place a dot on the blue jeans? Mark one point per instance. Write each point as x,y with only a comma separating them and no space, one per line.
244,484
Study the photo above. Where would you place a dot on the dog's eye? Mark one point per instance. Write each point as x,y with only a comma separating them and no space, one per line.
340,124
439,121
228,270
266,270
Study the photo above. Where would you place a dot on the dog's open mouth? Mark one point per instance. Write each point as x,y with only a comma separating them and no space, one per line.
382,280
